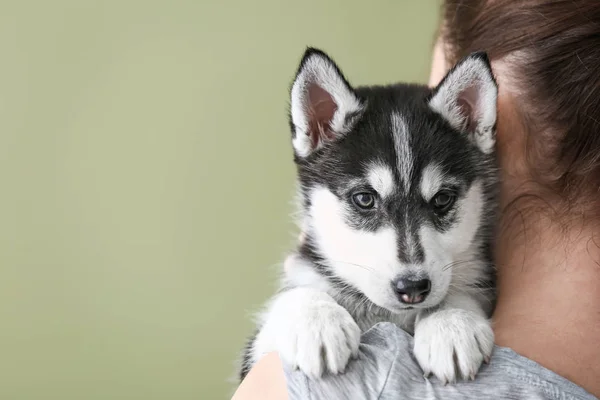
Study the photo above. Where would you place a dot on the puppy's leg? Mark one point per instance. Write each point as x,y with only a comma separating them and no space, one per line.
309,330
454,340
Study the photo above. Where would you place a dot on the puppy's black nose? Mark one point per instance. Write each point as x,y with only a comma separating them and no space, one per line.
411,291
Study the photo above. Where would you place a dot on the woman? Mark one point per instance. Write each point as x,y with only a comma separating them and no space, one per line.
546,58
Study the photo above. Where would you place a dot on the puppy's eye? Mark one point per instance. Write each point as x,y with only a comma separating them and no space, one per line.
364,200
443,200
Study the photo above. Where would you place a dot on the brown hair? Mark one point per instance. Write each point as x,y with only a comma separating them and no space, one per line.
552,50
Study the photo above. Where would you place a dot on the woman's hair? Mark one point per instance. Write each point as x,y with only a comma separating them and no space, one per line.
551,50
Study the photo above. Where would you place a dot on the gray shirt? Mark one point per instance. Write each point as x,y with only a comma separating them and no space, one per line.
387,370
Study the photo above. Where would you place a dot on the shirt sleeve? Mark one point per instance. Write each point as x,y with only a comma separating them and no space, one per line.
364,378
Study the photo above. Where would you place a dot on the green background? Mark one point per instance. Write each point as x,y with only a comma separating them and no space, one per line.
147,179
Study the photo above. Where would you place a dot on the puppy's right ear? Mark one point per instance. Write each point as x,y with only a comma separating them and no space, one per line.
324,107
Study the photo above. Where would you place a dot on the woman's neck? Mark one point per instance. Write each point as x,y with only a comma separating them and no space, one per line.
548,305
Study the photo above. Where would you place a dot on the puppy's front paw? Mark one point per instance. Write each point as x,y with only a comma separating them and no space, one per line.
453,343
323,338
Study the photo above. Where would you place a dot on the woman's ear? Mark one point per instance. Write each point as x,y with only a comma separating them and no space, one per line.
439,67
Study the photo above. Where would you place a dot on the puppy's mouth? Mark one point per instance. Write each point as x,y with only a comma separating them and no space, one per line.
428,303
403,308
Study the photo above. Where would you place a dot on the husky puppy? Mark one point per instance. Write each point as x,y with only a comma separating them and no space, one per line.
397,189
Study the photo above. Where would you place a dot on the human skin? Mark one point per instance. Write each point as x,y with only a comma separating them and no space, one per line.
265,381
548,305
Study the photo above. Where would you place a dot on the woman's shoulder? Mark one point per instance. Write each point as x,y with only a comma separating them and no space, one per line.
386,367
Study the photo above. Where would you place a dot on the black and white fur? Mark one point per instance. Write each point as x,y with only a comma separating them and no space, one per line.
405,145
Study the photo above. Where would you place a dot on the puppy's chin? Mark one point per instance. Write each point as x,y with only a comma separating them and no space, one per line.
402,308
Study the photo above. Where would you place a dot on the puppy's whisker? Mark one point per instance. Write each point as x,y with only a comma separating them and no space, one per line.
365,267
459,263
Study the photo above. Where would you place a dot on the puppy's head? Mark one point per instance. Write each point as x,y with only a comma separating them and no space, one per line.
394,180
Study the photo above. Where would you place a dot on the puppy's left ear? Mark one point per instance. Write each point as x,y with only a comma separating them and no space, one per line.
467,98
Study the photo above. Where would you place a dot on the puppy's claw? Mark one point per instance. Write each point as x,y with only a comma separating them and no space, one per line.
472,377
486,359
426,374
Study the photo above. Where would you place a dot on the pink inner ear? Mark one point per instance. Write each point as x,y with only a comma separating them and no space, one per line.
467,105
321,109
